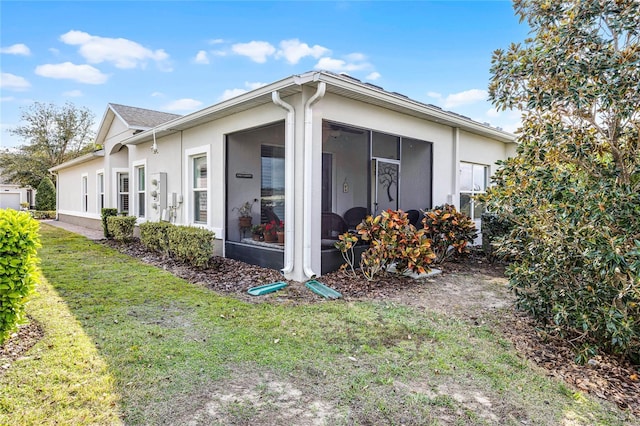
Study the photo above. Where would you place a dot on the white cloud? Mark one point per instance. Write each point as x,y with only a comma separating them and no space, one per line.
356,57
185,104
66,70
508,120
157,95
434,95
232,93
13,82
465,98
339,65
201,57
123,53
292,50
254,85
16,49
257,51
54,51
7,99
492,112
216,41
73,93
373,76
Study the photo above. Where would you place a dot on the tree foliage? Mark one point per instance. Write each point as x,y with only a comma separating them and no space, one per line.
46,195
52,135
571,191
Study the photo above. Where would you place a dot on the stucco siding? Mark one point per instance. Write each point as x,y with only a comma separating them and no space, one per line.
70,193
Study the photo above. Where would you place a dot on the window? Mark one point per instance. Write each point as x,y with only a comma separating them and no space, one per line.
272,181
140,191
473,181
123,192
200,189
100,192
85,195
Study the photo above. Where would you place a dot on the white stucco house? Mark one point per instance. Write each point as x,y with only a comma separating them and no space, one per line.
315,150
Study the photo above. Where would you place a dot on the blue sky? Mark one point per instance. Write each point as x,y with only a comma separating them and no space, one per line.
183,56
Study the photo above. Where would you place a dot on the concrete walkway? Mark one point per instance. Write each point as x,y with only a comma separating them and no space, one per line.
92,234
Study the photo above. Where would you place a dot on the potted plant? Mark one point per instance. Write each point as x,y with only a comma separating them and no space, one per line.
245,214
270,232
257,231
280,231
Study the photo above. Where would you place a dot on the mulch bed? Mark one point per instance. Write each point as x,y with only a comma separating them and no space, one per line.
19,343
605,376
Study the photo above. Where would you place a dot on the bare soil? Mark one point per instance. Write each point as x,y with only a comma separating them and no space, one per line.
470,289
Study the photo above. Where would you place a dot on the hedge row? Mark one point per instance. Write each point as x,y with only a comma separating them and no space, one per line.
19,241
121,227
184,243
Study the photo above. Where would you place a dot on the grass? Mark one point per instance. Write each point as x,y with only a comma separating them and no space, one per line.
127,342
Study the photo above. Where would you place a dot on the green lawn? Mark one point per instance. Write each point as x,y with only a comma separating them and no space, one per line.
129,343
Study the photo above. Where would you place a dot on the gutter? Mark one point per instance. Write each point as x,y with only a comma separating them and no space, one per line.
78,160
289,182
308,162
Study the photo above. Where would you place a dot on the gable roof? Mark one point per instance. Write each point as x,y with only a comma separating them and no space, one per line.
339,84
137,119
141,118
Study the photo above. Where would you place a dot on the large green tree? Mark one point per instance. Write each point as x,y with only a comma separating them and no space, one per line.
572,189
52,134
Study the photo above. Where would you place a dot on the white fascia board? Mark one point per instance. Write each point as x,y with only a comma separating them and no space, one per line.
107,119
79,160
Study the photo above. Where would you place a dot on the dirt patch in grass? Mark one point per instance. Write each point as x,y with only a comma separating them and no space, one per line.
250,397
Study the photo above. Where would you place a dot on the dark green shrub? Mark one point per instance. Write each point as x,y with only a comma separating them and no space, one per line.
392,241
449,230
121,227
19,241
107,212
43,214
191,245
155,236
494,228
46,195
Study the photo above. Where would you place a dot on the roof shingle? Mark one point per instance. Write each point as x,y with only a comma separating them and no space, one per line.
142,118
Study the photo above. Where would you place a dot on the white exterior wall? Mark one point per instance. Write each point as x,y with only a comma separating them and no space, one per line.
481,150
70,190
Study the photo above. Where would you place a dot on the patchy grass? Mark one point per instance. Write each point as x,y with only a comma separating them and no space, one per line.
127,341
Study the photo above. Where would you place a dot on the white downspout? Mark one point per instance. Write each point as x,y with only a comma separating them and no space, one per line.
308,162
289,183
454,197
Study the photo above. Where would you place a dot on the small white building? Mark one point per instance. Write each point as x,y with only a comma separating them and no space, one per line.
316,151
12,196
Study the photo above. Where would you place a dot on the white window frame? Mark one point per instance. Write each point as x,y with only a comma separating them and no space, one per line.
473,191
190,155
85,192
137,165
116,187
100,199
